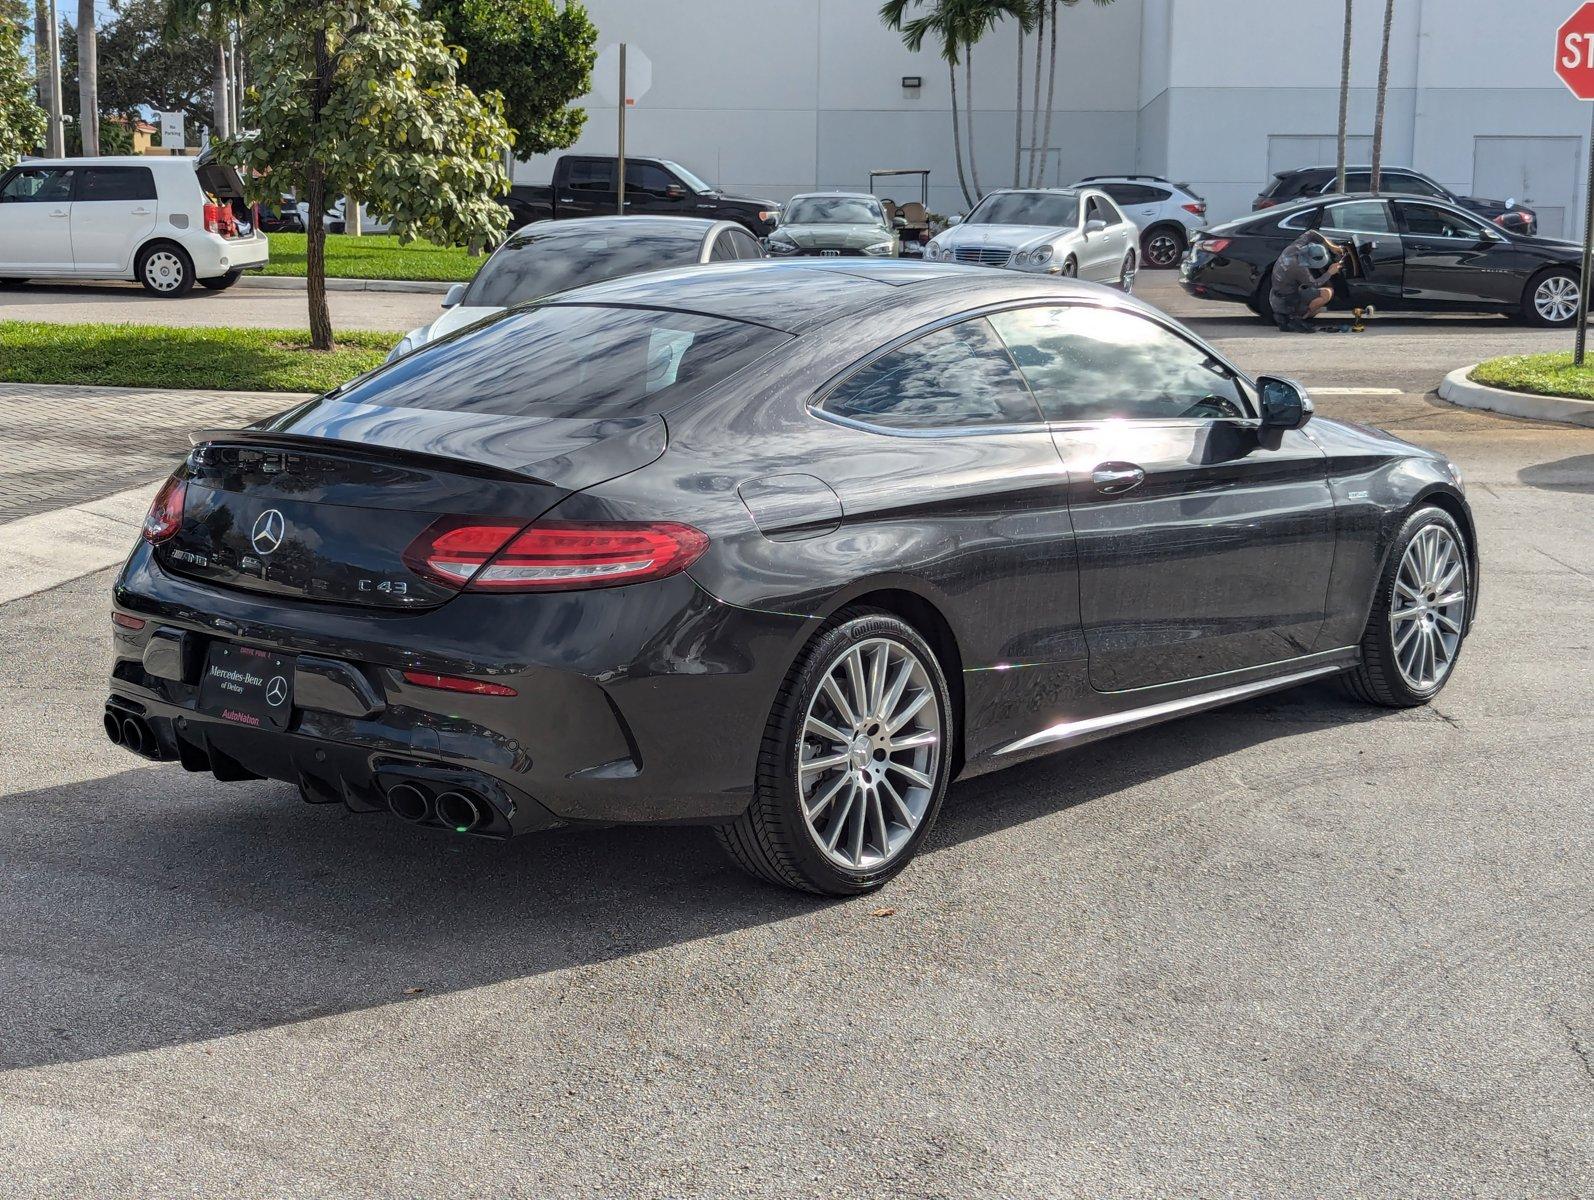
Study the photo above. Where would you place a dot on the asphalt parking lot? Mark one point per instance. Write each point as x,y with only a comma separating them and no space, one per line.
1292,948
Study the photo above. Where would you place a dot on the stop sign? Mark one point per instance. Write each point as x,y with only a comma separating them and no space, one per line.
1574,52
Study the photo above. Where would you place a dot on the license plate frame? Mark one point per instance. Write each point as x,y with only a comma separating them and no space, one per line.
246,686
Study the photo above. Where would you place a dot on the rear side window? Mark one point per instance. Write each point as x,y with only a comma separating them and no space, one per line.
116,183
591,175
954,378
570,361
1358,216
1135,193
745,243
1101,364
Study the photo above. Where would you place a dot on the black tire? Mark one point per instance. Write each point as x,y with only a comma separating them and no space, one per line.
222,282
13,283
1126,274
165,270
1259,302
1530,298
1379,679
772,840
1162,246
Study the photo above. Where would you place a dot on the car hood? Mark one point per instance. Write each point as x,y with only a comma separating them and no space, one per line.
746,201
833,236
1553,247
1005,237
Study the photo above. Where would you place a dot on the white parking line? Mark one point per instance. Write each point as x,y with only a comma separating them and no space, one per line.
48,549
1350,391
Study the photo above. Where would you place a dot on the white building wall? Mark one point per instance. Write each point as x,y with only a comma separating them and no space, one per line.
810,96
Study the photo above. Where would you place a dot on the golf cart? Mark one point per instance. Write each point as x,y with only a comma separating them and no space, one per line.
914,226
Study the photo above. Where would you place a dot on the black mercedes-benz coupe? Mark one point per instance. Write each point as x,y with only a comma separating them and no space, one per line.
777,548
1408,254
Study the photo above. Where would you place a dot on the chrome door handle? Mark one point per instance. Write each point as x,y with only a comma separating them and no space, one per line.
141,212
60,215
1113,479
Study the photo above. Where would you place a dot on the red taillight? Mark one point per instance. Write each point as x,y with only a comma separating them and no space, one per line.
166,511
500,556
1199,209
1213,245
457,683
127,622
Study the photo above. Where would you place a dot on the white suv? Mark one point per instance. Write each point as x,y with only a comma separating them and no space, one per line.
1169,214
167,222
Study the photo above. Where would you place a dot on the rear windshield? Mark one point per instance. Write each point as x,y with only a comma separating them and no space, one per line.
1026,208
570,361
537,263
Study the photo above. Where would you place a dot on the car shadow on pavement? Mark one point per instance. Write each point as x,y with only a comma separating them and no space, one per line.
152,908
1575,474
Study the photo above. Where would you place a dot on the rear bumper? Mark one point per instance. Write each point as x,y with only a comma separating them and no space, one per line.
634,704
215,255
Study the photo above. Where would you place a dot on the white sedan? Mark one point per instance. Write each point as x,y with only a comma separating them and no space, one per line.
1054,231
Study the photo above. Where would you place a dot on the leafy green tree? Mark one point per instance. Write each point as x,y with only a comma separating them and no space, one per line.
143,64
22,122
361,98
536,54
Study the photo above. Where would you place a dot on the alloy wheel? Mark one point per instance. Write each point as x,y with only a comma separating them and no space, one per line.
1429,607
1162,250
1126,276
164,271
1556,299
870,754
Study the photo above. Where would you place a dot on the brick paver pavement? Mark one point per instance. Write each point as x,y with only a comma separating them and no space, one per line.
66,445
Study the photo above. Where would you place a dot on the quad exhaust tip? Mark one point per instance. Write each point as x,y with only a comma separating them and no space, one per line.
460,811
113,727
409,802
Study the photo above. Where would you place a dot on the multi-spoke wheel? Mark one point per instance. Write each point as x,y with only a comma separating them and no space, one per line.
1419,618
1126,274
1552,298
854,764
1162,247
166,270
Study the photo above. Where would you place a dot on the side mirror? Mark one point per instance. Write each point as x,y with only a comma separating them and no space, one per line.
1285,404
1095,225
954,219
675,191
454,295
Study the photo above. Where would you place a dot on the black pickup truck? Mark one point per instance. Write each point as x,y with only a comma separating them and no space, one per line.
583,186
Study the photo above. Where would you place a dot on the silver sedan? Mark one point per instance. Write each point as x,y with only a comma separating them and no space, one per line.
1053,231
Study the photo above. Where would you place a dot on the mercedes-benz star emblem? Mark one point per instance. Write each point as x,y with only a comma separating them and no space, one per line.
267,534
276,691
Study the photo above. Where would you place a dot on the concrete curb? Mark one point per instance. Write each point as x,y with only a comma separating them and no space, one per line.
51,548
291,283
1458,388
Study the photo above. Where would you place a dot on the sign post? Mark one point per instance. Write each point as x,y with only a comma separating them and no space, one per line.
634,72
1574,63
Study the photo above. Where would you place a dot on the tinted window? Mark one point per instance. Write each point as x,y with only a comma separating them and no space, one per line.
1026,208
38,185
591,175
832,210
724,248
116,183
1358,216
570,361
1096,364
1097,209
649,179
1432,221
540,261
1135,193
1400,181
745,243
955,377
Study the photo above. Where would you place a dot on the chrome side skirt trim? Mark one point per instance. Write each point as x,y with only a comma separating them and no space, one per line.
1091,727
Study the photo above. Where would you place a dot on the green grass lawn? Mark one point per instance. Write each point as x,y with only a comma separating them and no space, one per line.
156,356
378,256
1541,374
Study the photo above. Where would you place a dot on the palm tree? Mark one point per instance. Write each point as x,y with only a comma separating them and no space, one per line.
973,20
214,17
1018,109
942,20
88,78
1383,87
1344,96
1041,8
1051,85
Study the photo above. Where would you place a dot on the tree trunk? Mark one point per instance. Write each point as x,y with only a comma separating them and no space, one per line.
1383,88
968,115
957,140
41,49
1344,97
88,78
315,194
1035,107
1018,109
1051,94
220,109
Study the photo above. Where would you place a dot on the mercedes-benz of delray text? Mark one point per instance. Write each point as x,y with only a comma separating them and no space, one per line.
778,548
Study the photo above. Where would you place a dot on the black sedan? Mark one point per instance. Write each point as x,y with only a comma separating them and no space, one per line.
1407,255
777,548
